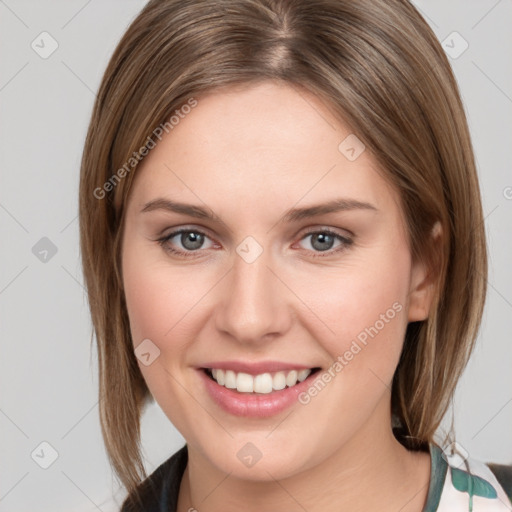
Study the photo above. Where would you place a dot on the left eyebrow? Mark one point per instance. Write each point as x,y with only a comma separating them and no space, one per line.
336,205
292,215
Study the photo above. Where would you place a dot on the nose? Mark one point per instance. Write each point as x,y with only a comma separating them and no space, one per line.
253,307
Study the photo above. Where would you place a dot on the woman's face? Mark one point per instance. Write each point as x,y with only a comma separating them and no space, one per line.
267,275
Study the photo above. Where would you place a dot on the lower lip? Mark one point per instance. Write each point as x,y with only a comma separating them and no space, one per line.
251,404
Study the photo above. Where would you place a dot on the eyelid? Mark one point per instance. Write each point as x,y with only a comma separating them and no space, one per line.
343,233
346,241
186,229
173,230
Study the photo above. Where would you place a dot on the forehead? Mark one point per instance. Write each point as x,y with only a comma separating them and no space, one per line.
261,144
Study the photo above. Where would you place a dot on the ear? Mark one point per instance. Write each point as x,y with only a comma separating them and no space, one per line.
423,281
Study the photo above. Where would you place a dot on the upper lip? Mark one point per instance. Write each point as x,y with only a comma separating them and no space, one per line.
256,368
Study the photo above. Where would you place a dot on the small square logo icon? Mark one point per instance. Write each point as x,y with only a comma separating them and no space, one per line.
455,454
249,249
249,455
147,352
44,250
44,45
455,45
351,147
44,455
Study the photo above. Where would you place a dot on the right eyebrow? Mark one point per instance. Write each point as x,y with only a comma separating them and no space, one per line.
184,208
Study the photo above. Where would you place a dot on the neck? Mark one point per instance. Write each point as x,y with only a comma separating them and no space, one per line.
372,471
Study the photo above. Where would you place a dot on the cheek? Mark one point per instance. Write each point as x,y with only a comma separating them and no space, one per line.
360,309
146,301
158,302
158,295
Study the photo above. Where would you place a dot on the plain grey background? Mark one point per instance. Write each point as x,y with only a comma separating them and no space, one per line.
48,373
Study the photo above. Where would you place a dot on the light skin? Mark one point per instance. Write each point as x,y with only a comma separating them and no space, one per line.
249,155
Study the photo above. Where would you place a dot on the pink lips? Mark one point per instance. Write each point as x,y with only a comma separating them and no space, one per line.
255,405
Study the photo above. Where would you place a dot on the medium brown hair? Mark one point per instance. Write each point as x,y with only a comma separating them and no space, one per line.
380,69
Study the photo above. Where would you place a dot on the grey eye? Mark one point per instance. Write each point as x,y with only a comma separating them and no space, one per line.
322,241
191,240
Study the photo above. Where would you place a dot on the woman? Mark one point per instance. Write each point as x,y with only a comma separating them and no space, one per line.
283,244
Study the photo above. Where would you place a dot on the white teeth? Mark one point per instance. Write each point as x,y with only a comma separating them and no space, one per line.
244,383
262,383
303,375
229,378
291,378
218,376
279,380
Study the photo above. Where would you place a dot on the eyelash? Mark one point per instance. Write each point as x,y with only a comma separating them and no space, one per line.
346,242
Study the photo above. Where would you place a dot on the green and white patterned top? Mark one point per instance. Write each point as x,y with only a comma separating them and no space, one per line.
458,485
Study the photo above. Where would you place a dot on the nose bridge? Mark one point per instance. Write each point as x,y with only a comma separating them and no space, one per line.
253,305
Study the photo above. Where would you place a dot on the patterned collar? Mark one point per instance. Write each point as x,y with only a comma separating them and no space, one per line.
463,485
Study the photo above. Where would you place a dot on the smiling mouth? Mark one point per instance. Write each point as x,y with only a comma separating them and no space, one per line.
264,383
